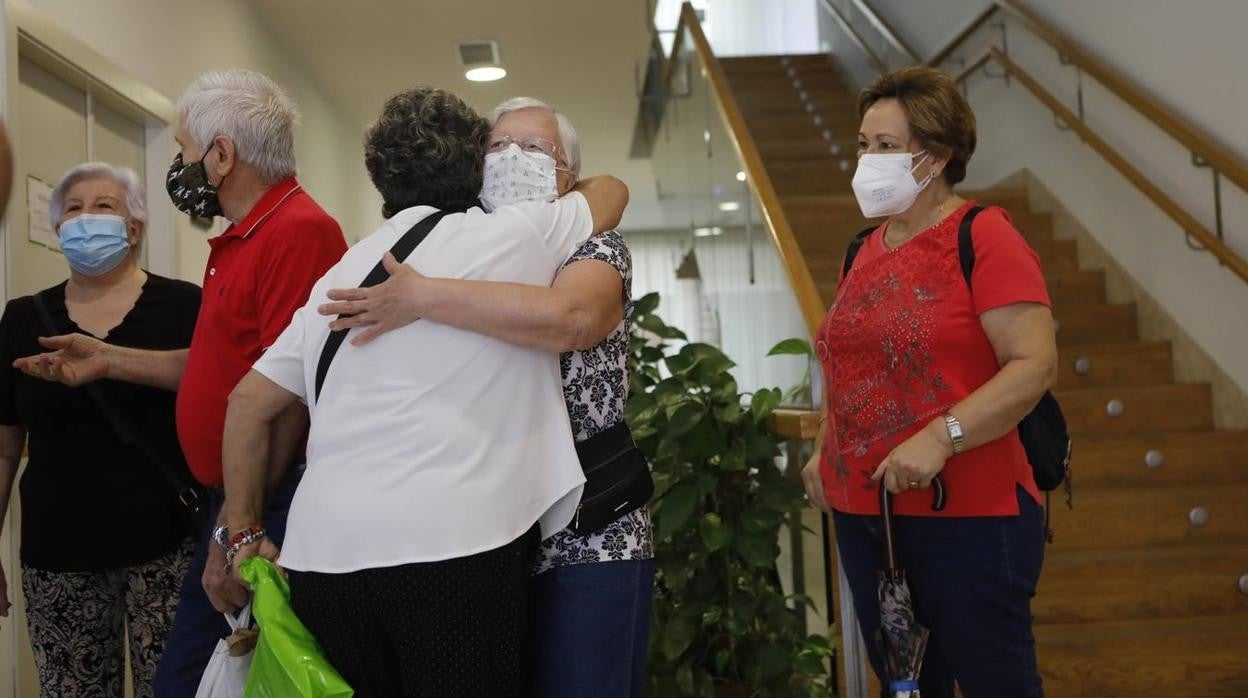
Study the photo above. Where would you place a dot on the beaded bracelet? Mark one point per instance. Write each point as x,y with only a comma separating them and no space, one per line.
247,536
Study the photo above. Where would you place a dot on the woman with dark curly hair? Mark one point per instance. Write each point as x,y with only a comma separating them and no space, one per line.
594,583
435,454
928,370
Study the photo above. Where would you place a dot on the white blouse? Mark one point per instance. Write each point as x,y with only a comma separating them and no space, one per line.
430,442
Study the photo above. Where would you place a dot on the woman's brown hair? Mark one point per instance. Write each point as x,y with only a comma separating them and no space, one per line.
938,114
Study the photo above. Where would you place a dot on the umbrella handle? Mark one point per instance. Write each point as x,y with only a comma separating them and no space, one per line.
938,493
939,500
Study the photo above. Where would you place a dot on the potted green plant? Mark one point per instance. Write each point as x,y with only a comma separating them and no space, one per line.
721,625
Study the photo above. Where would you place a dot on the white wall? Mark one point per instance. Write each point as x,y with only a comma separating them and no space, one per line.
1015,132
750,27
928,26
167,43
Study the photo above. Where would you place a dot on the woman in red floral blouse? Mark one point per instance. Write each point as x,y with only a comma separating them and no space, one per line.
925,374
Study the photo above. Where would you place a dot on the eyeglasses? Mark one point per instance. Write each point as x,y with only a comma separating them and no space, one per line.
529,145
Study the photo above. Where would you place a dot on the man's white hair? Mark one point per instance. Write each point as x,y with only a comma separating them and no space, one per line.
567,134
126,178
249,109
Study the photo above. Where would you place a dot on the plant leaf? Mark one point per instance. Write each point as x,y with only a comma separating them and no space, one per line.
674,510
771,660
678,636
684,418
764,402
729,412
714,532
794,346
757,550
646,304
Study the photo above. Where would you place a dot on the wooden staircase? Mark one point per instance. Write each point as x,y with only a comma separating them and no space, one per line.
1135,599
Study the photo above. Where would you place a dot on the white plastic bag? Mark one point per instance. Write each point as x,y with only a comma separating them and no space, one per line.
226,674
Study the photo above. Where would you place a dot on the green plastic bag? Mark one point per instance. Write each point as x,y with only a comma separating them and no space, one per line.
287,663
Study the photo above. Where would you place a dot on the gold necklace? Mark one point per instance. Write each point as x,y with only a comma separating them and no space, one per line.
934,220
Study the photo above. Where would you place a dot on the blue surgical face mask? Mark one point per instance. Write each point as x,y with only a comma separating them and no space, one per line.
94,244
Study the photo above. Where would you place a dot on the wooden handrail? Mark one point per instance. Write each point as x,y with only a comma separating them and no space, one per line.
854,36
886,29
1223,160
800,425
1169,206
969,70
1193,138
803,283
952,45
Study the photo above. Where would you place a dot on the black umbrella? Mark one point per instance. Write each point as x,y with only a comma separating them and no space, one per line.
901,637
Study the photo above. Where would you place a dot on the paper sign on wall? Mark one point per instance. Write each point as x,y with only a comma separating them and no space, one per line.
38,197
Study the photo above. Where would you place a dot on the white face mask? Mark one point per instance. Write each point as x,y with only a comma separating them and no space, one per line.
513,175
884,183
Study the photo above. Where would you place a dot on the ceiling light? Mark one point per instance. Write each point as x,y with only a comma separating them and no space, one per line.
486,73
729,206
740,176
481,60
707,232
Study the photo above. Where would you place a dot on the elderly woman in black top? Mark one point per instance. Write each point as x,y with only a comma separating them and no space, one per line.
105,541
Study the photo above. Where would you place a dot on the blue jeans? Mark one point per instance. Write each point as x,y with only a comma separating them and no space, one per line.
197,626
591,623
972,579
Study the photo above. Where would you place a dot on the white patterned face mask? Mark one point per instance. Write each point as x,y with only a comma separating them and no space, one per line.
513,175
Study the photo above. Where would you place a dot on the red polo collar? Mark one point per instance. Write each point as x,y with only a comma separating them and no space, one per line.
272,200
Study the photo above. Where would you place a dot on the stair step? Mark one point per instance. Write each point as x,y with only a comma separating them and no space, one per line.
814,79
1107,365
1051,250
1072,285
798,180
1204,657
1175,407
1147,517
776,150
1082,324
749,63
774,101
1080,586
1181,458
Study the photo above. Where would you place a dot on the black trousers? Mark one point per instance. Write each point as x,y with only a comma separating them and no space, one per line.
449,628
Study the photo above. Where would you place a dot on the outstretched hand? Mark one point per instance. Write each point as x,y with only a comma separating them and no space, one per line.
74,359
392,304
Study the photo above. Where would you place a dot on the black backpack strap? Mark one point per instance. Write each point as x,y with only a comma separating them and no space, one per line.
966,244
401,250
852,251
187,490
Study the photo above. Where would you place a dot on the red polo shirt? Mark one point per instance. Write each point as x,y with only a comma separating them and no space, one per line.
260,271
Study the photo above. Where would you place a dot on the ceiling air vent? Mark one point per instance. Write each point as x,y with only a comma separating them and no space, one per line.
475,53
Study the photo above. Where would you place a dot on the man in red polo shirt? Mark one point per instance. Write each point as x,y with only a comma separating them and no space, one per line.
237,160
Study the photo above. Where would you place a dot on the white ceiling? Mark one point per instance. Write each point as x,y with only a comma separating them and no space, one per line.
578,55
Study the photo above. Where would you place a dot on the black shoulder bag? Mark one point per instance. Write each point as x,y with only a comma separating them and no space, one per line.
617,479
189,492
1043,431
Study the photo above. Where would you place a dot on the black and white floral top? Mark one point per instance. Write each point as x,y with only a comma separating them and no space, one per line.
595,386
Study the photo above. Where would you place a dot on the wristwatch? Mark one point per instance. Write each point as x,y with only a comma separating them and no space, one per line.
221,536
956,435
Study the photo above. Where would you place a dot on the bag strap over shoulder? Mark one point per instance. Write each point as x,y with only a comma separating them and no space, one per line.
966,244
854,246
401,250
